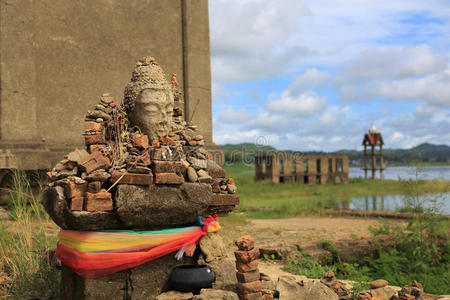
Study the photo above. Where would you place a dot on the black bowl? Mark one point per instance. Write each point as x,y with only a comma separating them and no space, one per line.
191,278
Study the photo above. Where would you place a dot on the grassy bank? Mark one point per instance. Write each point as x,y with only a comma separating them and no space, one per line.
270,200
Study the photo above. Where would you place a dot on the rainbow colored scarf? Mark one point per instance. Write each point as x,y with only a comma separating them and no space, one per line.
93,254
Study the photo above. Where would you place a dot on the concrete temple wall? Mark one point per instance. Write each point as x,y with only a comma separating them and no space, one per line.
309,169
58,57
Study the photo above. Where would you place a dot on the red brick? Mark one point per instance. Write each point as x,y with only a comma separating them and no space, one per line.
99,202
144,158
246,256
93,148
165,140
74,190
93,126
215,186
161,166
249,287
178,112
267,297
253,296
132,178
217,173
160,154
417,284
141,141
193,143
247,276
91,139
94,187
156,143
168,178
245,243
248,267
94,161
224,200
77,203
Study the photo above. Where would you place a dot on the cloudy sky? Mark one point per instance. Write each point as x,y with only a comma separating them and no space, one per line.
314,74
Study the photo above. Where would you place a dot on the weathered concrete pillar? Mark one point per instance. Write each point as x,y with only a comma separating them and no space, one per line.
323,169
275,168
312,170
197,71
18,104
299,169
287,168
345,168
259,162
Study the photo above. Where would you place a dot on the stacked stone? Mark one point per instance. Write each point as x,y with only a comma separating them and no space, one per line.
330,280
143,168
118,155
411,293
248,276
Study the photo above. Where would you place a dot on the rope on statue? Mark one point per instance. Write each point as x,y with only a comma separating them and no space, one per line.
92,254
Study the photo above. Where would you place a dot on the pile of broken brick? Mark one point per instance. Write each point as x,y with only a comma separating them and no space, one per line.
380,289
116,155
248,276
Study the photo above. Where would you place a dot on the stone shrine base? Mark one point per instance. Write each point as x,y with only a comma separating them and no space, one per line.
142,282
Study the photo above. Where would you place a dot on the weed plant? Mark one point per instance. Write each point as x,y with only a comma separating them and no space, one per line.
25,244
418,251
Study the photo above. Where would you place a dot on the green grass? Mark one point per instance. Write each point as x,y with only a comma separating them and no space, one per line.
24,245
419,250
269,200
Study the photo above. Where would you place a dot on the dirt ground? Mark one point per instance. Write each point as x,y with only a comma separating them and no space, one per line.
296,231
300,230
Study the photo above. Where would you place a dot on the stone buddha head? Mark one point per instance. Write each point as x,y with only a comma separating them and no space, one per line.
149,99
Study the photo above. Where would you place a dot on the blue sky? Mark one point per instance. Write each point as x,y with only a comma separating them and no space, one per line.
314,74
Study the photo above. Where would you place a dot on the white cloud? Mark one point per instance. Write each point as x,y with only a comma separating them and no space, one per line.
270,122
360,52
218,92
304,105
424,110
233,116
310,79
433,88
252,39
237,137
394,63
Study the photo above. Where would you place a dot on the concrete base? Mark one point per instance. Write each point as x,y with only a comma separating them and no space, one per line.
143,282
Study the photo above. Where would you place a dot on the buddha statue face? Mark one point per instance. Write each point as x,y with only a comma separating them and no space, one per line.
153,112
149,99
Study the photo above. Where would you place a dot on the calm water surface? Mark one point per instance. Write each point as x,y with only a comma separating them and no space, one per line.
403,172
396,202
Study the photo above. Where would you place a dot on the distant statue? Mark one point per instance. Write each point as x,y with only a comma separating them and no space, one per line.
149,99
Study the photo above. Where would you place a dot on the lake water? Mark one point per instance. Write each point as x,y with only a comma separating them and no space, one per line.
403,172
395,202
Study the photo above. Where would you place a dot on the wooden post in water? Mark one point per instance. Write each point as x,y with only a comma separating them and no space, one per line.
373,139
381,163
374,163
365,161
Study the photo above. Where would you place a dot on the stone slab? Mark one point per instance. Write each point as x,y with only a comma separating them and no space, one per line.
156,206
224,200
